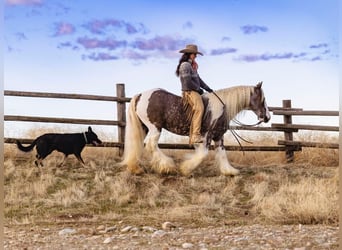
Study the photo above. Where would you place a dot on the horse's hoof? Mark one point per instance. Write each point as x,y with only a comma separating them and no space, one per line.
136,170
169,171
185,172
231,172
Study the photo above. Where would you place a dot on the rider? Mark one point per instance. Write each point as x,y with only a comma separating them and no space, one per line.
192,86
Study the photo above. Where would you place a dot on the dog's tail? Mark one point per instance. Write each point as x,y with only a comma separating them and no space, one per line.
26,148
134,139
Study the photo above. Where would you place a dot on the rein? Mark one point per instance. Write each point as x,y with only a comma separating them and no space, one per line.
235,134
224,105
235,120
246,125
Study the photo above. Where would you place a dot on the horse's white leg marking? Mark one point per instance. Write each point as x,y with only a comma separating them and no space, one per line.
193,160
221,160
160,162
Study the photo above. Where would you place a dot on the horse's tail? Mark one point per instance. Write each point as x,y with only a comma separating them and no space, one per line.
134,139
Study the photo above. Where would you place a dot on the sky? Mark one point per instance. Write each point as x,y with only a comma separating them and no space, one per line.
86,47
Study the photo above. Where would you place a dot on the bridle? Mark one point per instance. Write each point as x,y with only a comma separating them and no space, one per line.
234,133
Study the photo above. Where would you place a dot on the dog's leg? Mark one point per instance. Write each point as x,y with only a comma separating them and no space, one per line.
39,161
79,158
62,162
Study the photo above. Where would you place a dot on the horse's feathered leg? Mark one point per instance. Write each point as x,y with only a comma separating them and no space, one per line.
159,162
134,140
221,159
193,160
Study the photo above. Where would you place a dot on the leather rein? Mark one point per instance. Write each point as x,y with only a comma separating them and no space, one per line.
234,133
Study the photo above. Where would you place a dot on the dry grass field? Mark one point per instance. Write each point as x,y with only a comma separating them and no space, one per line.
268,191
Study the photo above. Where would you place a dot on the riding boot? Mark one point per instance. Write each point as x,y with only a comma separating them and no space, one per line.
196,139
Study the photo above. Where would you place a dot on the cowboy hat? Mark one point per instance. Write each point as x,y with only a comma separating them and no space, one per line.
191,48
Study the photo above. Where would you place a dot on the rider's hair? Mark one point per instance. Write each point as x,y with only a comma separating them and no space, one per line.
185,57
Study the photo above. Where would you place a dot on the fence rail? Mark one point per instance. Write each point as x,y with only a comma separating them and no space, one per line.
287,127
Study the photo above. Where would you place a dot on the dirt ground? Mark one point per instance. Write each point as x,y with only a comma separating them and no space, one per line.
209,211
85,235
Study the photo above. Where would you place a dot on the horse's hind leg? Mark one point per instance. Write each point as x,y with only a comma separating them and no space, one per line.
222,160
159,162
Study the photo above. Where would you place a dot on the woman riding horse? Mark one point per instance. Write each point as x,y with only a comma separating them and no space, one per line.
192,86
156,109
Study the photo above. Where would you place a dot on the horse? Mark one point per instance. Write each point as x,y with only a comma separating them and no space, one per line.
151,111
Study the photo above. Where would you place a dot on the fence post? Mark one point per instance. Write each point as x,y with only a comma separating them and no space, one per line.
288,134
121,113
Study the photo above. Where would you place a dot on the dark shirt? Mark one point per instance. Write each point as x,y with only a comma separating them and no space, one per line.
190,79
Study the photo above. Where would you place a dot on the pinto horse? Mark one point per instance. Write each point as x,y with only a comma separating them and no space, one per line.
151,111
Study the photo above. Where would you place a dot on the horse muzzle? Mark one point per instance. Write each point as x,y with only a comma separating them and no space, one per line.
265,118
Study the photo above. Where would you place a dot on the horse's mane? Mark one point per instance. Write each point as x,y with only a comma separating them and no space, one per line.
235,98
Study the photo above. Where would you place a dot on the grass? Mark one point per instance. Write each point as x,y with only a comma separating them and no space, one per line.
268,190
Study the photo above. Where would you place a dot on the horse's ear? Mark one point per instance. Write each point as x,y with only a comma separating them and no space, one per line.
259,85
89,129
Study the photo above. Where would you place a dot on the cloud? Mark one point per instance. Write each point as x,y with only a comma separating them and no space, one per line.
67,45
137,49
100,57
268,57
318,46
251,29
63,28
327,51
225,39
316,58
140,49
20,36
61,9
93,43
24,2
10,49
100,26
133,55
160,43
217,52
187,25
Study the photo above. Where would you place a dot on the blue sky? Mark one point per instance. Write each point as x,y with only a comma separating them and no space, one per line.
88,46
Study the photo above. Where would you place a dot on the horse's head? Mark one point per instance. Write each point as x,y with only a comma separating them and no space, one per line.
258,104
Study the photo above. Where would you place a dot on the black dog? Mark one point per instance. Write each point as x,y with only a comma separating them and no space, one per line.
65,143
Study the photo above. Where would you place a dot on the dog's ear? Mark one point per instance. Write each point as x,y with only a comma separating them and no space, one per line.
89,129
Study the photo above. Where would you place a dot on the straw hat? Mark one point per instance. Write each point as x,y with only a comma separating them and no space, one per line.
191,48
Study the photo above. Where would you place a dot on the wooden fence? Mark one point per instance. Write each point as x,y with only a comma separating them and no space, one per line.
288,145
